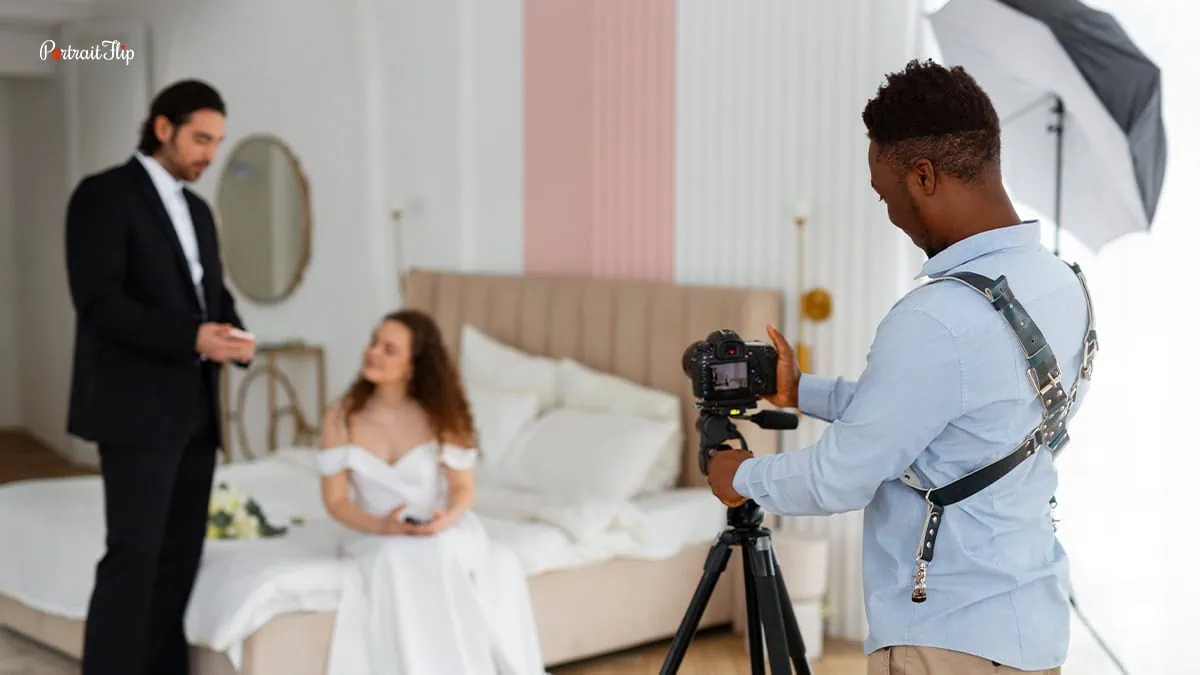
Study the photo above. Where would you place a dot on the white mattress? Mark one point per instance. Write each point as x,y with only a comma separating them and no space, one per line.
53,534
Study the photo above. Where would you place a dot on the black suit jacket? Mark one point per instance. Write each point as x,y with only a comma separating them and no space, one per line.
137,378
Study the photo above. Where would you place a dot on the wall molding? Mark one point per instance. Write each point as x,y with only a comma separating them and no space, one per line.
20,51
44,11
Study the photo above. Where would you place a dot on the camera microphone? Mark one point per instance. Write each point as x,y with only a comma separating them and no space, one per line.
776,420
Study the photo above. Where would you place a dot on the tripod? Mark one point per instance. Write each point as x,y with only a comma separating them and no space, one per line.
768,605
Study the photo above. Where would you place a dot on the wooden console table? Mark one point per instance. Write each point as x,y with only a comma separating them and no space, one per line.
267,357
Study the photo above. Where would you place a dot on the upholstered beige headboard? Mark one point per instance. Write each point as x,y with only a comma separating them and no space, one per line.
634,329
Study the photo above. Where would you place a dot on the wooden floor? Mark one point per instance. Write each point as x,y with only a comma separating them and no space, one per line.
22,457
717,652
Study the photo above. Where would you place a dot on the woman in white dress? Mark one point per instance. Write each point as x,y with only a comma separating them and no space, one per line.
432,595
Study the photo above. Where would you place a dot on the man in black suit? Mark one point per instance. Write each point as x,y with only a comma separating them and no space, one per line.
154,320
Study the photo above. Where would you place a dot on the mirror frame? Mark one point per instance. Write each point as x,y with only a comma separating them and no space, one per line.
306,218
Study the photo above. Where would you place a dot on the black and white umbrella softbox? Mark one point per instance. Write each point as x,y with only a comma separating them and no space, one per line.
1082,134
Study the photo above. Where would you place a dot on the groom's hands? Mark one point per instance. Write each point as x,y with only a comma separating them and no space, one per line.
241,345
213,342
222,342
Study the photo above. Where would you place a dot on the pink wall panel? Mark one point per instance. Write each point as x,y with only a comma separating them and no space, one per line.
599,137
558,136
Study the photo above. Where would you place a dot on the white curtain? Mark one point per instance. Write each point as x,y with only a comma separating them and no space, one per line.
1125,501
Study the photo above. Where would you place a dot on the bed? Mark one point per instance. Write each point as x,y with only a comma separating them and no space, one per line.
265,607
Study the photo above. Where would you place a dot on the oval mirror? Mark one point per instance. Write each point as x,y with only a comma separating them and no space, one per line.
266,226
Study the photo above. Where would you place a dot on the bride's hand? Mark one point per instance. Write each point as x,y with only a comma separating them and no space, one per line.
439,521
393,522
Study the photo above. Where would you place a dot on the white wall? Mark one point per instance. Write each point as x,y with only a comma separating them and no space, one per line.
45,322
423,60
452,101
493,105
10,350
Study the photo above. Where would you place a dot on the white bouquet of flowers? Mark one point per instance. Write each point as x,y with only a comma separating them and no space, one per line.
232,514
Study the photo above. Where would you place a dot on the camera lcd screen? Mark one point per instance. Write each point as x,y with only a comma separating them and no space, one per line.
730,376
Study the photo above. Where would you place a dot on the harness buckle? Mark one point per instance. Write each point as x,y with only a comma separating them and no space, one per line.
1053,379
1090,347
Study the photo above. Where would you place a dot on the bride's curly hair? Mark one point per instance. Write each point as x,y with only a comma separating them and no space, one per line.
435,382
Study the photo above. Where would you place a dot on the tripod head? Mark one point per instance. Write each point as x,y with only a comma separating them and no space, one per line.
716,427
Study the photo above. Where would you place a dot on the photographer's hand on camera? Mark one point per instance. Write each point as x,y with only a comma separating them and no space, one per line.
721,469
787,373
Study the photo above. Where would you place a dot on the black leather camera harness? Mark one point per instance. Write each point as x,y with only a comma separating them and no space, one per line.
1043,373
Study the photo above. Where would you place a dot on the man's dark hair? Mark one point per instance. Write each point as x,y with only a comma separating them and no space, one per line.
177,103
936,113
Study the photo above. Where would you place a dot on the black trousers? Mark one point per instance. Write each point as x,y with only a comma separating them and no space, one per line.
156,507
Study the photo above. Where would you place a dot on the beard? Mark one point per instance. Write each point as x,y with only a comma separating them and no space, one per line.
180,169
918,230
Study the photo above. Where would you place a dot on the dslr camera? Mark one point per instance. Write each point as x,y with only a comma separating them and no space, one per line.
729,373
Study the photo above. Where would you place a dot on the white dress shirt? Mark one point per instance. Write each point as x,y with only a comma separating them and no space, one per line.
170,190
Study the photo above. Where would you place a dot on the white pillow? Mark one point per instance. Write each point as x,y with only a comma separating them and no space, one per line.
585,389
581,455
499,416
580,519
486,361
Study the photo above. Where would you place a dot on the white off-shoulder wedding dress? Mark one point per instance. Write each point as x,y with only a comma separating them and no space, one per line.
453,603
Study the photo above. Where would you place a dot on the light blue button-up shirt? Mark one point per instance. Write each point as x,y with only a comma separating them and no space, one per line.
945,390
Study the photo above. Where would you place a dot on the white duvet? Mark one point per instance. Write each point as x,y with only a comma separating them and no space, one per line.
52,534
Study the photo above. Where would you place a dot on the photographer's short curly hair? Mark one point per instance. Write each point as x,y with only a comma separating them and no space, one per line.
936,113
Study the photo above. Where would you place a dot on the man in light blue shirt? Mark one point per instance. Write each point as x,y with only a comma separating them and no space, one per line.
945,392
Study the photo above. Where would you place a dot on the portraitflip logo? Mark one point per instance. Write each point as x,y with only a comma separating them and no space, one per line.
106,50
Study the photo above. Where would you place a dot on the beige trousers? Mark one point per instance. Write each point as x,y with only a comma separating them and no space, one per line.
901,660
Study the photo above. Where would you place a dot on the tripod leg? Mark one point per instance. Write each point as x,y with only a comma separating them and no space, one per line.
753,624
769,607
791,626
714,565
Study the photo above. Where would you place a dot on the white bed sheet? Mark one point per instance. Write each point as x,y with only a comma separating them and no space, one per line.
52,534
